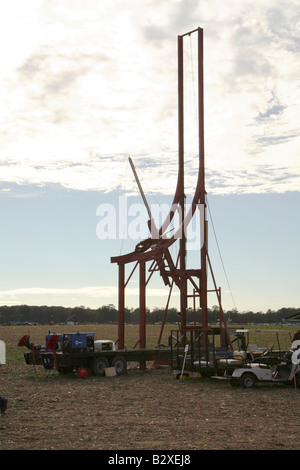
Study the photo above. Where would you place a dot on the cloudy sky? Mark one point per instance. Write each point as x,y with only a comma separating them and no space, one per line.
86,84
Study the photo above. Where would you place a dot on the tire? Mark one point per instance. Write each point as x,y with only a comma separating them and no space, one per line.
297,379
248,380
48,363
120,365
99,365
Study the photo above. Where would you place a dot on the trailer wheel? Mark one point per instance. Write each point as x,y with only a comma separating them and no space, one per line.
248,380
48,363
99,365
120,365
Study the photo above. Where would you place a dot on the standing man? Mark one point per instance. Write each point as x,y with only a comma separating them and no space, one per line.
3,404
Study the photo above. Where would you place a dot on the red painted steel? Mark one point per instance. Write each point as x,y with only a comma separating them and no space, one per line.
156,250
142,328
121,319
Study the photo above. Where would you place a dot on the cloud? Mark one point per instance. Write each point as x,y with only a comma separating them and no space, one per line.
89,86
88,296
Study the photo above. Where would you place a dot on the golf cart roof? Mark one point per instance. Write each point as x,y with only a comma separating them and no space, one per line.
262,331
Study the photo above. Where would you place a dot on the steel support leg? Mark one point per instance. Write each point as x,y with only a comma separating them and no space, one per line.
142,327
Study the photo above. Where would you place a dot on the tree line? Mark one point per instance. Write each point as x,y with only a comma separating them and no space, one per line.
46,315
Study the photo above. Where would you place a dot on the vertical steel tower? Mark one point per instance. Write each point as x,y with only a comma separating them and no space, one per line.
191,283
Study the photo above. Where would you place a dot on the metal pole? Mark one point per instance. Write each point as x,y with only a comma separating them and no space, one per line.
142,326
121,317
152,226
140,187
203,276
167,306
183,290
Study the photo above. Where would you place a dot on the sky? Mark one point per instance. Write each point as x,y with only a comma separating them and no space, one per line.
85,85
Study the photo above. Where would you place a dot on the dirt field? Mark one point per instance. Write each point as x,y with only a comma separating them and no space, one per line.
143,410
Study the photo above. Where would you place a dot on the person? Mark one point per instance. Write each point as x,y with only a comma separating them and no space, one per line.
3,404
296,336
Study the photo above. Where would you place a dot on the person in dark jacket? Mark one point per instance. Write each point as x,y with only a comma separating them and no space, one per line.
3,404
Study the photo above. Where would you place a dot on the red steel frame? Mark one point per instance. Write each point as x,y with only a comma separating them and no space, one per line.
156,250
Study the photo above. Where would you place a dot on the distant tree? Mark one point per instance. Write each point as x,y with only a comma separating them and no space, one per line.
109,314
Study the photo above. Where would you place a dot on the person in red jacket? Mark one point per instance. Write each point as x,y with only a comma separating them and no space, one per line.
296,336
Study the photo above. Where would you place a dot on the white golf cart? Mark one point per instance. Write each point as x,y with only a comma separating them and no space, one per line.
287,370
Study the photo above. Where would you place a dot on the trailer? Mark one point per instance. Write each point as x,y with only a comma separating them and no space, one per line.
71,351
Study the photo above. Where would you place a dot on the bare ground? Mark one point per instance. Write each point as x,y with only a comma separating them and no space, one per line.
143,410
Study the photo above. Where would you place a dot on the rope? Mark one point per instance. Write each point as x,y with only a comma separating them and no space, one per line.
220,253
122,242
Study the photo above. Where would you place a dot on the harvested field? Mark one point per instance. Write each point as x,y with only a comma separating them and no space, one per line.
142,410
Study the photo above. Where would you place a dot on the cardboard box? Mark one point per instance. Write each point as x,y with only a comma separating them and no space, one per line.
110,372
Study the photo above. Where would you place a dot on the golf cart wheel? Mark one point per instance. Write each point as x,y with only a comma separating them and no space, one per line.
120,365
247,381
297,380
99,365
